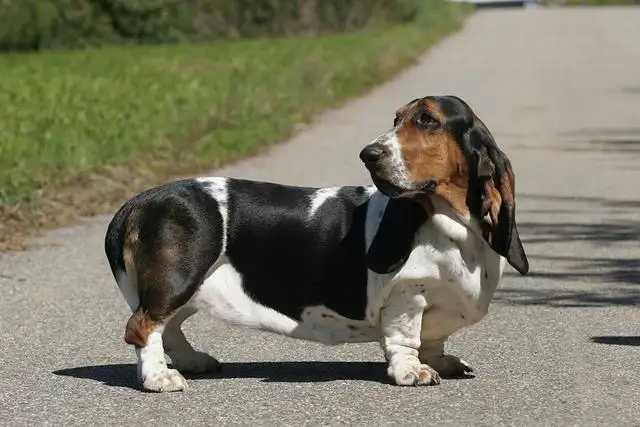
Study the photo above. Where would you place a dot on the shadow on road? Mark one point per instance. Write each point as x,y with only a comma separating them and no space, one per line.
627,145
613,273
610,270
602,140
565,299
124,375
303,372
581,203
612,231
617,340
625,140
633,90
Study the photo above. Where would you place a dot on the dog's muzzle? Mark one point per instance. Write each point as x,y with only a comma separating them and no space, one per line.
376,159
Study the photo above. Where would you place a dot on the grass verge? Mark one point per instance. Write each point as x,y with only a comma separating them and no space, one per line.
80,131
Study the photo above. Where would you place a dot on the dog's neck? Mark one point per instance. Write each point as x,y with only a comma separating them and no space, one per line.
454,224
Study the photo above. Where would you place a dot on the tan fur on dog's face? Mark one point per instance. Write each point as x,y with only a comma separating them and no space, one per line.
430,151
439,146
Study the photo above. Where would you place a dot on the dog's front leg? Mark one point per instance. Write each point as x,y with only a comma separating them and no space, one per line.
437,326
401,320
447,365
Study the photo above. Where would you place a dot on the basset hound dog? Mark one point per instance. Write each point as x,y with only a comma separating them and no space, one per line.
406,262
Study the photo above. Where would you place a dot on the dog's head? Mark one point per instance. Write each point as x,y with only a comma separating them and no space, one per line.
439,146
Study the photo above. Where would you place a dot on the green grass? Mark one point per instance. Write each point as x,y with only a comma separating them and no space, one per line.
120,112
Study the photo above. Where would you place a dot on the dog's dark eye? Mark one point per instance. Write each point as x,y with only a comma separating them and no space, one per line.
427,121
396,121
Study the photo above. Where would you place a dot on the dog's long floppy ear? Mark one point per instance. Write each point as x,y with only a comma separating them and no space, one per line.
392,244
492,197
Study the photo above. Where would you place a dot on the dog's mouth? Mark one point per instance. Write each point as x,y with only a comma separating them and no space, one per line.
429,186
390,189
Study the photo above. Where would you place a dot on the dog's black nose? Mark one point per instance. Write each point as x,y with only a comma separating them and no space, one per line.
371,153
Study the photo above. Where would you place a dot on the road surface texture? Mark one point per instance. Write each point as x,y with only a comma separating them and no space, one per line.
560,90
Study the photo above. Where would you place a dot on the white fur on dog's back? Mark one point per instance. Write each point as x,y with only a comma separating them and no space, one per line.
219,191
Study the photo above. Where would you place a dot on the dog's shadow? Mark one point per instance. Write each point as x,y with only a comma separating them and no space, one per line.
124,375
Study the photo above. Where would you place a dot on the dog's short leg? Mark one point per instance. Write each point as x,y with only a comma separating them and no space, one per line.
148,324
183,357
447,365
160,246
437,326
401,320
153,372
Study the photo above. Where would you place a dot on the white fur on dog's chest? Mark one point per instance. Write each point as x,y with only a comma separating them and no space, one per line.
456,270
468,273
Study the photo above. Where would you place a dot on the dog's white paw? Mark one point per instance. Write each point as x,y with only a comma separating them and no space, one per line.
449,366
164,380
196,362
413,373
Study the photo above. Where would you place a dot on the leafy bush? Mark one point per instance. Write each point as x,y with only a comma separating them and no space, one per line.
45,24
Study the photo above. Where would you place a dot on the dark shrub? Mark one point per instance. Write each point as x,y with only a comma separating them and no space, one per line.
45,24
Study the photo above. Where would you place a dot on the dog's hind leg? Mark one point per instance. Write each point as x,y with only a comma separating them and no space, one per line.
166,279
146,335
183,356
145,332
164,249
165,286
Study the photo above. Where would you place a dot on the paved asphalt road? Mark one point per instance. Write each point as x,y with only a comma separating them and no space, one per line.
560,89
